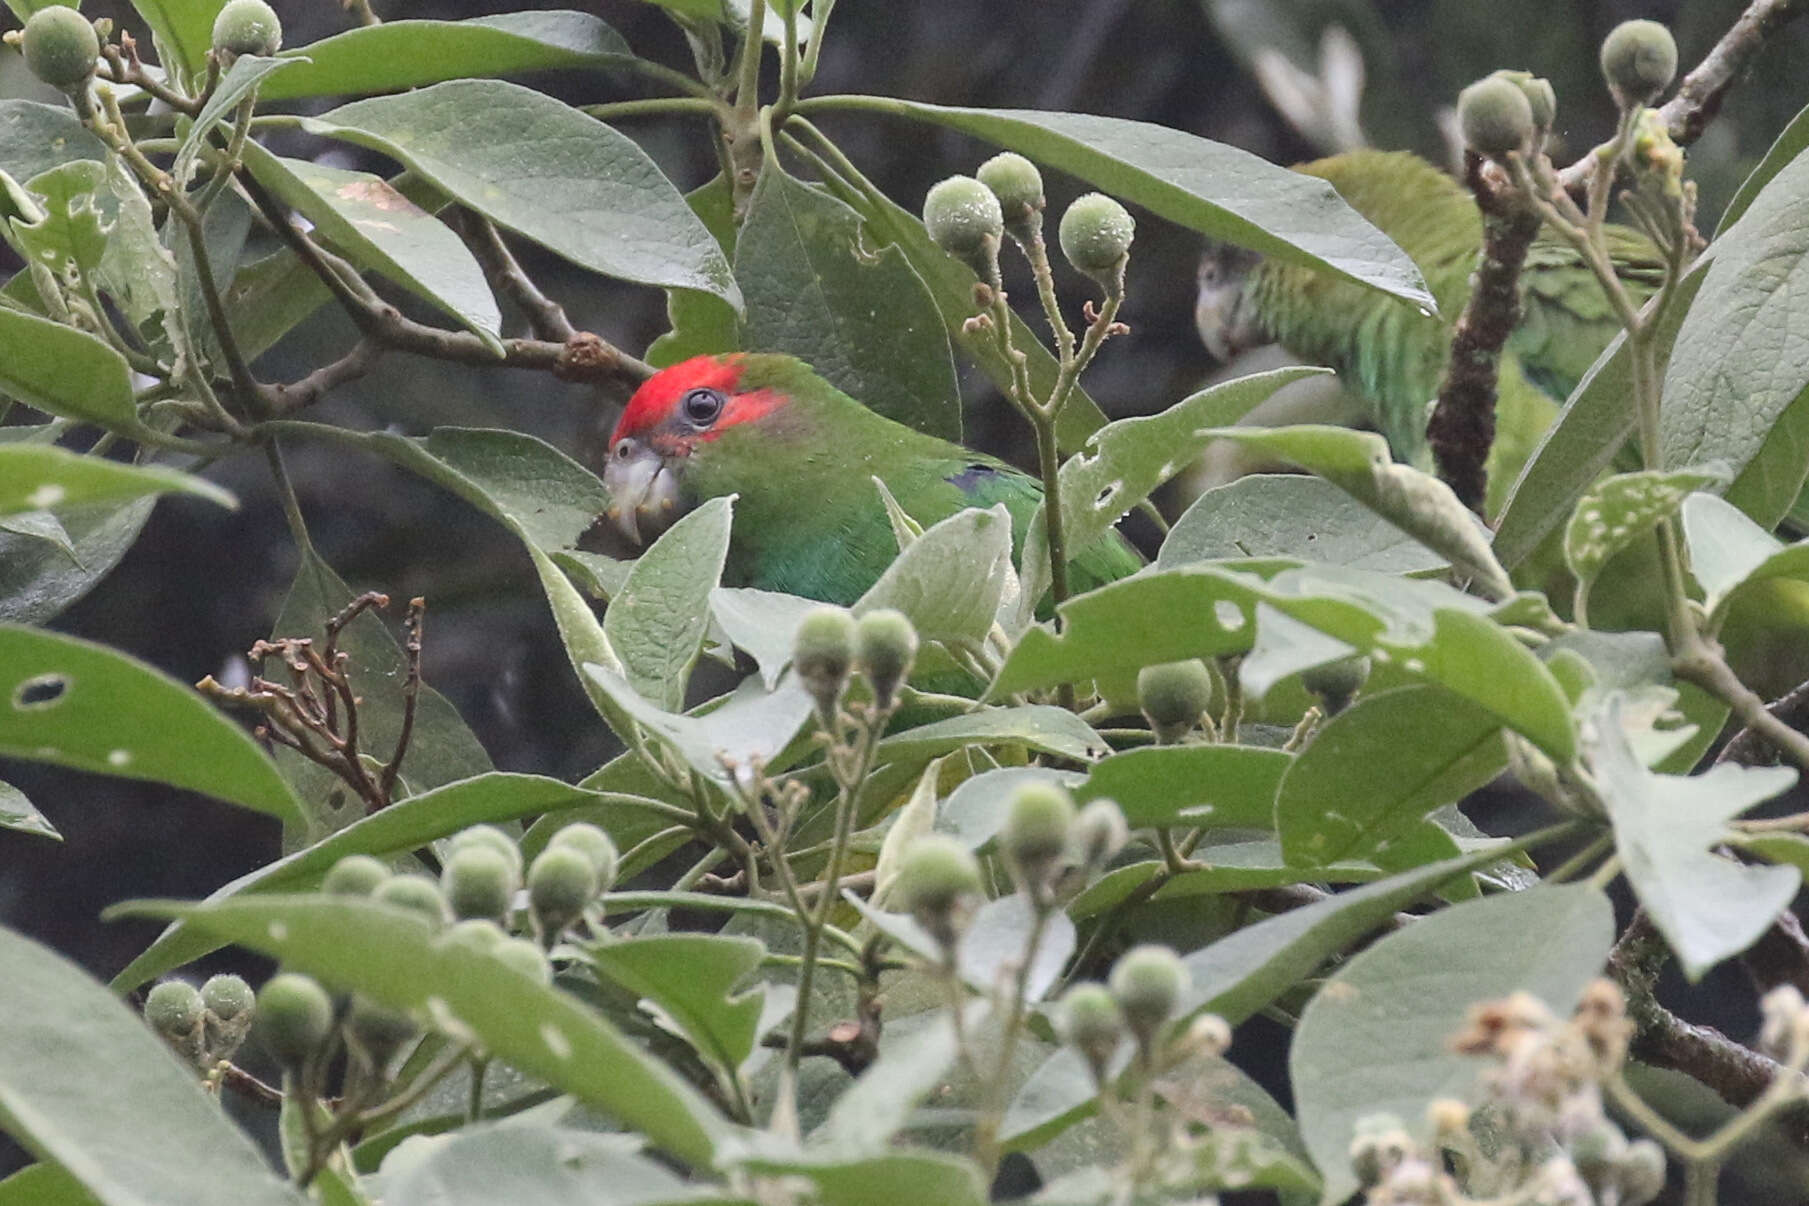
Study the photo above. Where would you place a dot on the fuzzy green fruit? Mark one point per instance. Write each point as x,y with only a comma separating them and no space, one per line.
227,997
1335,683
596,845
478,933
248,27
823,652
560,883
964,219
526,958
378,1031
1495,117
174,1008
885,647
355,875
295,1015
1639,60
1642,1172
1096,234
1173,696
479,882
1540,97
1017,184
1099,832
1148,982
1035,834
60,47
1092,1023
417,894
488,836
936,880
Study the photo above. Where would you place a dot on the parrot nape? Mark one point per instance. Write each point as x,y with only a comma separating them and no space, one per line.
1388,352
800,455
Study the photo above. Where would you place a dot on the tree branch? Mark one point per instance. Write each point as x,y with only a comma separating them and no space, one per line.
546,317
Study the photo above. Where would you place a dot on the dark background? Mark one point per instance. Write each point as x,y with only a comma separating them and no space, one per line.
201,584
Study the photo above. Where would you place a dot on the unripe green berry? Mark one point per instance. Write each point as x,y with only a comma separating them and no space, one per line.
936,880
823,652
416,893
596,845
1495,117
478,933
885,647
60,47
174,1009
1096,234
1035,834
526,958
1540,97
355,875
1639,60
964,219
1099,832
1642,1172
226,997
479,882
1092,1023
379,1032
1173,696
295,1015
1335,683
1148,982
560,883
488,836
247,27
1017,184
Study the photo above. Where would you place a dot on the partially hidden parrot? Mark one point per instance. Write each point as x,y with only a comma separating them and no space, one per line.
1388,352
801,456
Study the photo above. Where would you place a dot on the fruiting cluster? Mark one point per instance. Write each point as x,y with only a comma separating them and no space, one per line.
63,48
205,1026
831,645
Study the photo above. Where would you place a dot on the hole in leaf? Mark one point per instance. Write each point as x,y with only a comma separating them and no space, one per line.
41,691
1229,615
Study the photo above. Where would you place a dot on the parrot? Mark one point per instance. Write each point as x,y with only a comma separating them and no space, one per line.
1390,353
801,456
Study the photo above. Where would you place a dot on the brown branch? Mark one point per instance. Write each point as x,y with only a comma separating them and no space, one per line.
297,395
125,67
546,317
235,1077
411,692
1749,747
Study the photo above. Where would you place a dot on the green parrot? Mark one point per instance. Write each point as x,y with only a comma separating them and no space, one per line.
1393,355
801,455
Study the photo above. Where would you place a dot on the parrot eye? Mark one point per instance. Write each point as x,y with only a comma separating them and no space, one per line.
702,406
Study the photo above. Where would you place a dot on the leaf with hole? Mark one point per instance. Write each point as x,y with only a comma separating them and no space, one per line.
42,477
1617,510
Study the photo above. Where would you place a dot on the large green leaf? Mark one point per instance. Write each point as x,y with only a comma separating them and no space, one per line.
35,477
1294,516
64,372
949,581
87,1085
751,724
390,956
527,1165
694,979
35,138
411,54
902,1177
81,705
1204,185
1729,552
1618,510
72,232
1376,1039
22,816
862,317
38,579
702,323
658,620
184,32
1784,150
44,1185
546,171
1214,786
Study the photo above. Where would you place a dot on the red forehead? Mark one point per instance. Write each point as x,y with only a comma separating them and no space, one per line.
655,401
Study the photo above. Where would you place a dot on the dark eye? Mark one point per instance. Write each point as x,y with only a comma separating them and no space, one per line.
701,406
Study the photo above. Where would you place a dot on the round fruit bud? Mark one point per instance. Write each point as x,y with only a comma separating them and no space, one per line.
479,882
378,1032
1148,982
885,645
1096,236
247,27
1173,696
417,894
1099,833
295,1015
1539,95
227,997
60,47
560,883
355,875
488,836
1092,1024
937,880
478,933
596,845
1642,1172
1495,117
823,652
964,219
174,1009
1035,834
1639,60
1017,184
525,958
1335,683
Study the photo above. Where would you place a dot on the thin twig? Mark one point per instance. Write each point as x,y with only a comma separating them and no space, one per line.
546,317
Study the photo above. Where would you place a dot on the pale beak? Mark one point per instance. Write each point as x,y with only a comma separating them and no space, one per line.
643,492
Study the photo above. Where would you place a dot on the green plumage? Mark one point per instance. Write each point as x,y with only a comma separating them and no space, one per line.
809,520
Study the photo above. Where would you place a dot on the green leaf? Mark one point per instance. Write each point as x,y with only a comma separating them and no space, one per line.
1376,1038
1040,727
546,171
38,579
240,81
404,826
21,815
1728,552
751,724
951,579
397,55
269,298
1206,186
657,622
1291,516
184,30
1213,786
1784,150
693,978
88,1085
36,137
702,324
44,1185
1618,509
976,809
1708,906
40,525
527,1165
1230,867
541,1030
763,623
871,1111
1358,786
906,1177
73,703
861,316
381,230
65,372
73,231
42,477
1740,362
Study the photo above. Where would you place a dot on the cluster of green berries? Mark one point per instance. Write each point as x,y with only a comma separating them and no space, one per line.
1141,997
204,1025
831,644
61,46
968,216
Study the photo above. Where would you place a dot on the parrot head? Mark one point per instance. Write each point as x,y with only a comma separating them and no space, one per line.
675,417
1222,310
